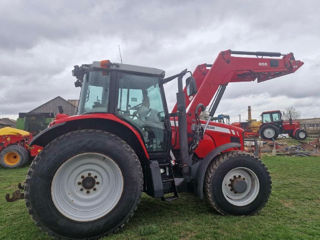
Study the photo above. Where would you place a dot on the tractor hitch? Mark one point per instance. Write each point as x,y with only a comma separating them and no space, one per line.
16,195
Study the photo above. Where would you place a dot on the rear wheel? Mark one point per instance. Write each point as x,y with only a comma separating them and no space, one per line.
85,184
301,134
269,132
237,183
14,156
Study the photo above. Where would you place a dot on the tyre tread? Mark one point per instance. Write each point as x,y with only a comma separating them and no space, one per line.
29,176
211,171
21,151
276,129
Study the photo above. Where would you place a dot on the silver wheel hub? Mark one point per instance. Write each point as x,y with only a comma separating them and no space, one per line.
240,186
87,187
302,135
269,133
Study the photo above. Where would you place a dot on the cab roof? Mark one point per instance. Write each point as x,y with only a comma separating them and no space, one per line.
133,69
274,111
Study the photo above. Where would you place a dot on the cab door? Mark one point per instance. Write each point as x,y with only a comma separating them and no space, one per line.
140,102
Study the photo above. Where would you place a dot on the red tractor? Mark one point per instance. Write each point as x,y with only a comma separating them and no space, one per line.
87,181
273,125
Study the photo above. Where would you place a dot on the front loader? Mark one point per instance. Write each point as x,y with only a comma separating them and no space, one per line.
88,179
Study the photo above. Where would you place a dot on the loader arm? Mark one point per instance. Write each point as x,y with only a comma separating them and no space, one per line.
230,68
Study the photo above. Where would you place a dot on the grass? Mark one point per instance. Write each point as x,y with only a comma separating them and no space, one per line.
292,212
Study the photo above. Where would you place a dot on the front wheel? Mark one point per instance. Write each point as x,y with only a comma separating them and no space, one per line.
84,185
237,183
301,134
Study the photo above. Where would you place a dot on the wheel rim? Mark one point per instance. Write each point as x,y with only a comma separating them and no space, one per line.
269,133
240,186
302,135
12,158
87,187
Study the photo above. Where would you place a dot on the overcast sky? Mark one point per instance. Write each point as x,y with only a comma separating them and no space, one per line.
41,41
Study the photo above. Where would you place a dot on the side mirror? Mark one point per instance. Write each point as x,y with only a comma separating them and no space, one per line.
78,72
191,86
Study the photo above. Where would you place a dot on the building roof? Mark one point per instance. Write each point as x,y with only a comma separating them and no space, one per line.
7,122
310,119
52,106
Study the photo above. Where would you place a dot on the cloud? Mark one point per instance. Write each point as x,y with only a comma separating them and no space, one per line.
42,40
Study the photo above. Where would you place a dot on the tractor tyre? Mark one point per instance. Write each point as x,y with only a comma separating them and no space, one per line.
300,134
14,156
84,185
269,132
237,183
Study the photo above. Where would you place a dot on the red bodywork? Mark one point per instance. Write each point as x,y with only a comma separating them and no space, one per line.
226,69
216,135
23,141
60,118
292,126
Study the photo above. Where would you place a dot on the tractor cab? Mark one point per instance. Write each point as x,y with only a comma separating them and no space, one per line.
132,93
271,116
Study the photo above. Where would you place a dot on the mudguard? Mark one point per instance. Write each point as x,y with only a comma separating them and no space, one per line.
295,131
107,122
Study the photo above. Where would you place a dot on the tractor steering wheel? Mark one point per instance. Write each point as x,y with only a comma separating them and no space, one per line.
136,107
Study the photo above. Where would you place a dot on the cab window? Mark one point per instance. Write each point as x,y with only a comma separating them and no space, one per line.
140,103
266,118
276,117
94,96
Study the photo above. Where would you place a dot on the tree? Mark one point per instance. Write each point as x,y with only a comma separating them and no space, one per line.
291,113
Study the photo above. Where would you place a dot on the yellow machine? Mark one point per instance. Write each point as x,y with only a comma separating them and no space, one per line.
12,131
251,127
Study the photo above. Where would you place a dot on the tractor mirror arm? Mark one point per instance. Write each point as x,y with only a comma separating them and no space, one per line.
168,79
79,73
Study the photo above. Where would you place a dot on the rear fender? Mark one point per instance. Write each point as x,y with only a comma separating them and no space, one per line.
295,131
199,170
119,128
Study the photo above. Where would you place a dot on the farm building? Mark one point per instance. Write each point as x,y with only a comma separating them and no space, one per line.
39,118
6,122
52,106
311,125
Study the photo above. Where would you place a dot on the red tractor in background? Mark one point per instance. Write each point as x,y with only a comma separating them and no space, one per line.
15,151
87,181
273,125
